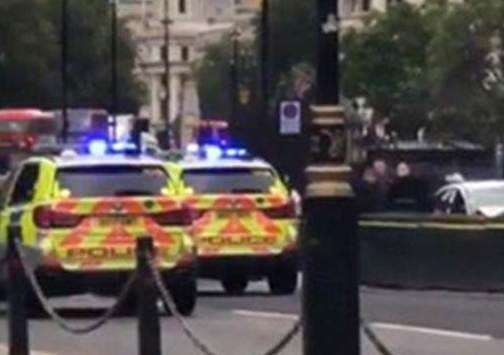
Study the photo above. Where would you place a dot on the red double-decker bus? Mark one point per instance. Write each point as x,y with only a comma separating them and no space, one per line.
22,131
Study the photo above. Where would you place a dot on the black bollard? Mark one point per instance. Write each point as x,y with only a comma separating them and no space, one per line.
16,297
329,243
149,329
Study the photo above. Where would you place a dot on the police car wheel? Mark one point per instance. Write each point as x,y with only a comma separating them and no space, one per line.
234,284
184,295
283,281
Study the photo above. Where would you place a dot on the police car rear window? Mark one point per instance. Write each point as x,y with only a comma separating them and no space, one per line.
108,181
229,180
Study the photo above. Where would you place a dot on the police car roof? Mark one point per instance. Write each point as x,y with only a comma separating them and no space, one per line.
109,160
224,164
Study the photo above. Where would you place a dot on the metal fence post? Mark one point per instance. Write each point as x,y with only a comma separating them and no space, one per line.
149,330
16,297
330,244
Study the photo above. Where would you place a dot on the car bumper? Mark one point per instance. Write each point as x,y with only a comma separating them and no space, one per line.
61,282
254,266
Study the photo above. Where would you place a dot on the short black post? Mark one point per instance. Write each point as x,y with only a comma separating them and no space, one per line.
16,293
330,244
149,330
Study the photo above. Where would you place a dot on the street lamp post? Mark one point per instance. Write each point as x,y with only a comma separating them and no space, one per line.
265,52
166,62
328,76
329,240
235,35
113,66
64,60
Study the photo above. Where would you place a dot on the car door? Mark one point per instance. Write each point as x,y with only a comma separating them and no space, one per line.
19,201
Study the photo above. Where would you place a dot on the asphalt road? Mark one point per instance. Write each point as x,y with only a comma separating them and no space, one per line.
408,322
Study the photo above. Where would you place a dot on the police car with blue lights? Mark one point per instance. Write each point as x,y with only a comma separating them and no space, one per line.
245,219
80,216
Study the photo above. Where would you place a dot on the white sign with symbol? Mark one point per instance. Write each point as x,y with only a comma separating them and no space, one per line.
290,117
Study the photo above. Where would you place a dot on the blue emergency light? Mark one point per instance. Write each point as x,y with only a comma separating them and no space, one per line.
100,147
212,152
215,152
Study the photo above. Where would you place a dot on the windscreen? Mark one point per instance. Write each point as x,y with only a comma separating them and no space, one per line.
230,180
109,181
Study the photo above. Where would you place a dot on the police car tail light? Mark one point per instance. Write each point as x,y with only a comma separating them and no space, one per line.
42,217
45,217
287,211
182,217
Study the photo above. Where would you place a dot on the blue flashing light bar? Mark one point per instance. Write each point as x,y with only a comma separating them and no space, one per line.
215,152
98,147
120,147
101,147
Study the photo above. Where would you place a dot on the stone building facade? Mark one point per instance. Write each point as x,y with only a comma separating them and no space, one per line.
193,25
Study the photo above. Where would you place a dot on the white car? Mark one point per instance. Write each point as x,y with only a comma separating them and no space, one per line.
485,198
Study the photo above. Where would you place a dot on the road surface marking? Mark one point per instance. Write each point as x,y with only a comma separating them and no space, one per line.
432,331
4,349
269,315
384,326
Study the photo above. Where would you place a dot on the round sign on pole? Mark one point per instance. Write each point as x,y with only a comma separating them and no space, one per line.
290,117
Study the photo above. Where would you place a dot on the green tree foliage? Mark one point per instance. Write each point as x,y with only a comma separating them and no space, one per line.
386,62
293,45
439,65
31,64
467,71
28,48
293,37
214,73
214,84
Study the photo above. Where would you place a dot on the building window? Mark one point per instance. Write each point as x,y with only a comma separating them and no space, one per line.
366,5
182,6
163,53
184,53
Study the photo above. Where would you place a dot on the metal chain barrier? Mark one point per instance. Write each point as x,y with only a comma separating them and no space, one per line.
169,303
171,307
373,338
62,322
286,339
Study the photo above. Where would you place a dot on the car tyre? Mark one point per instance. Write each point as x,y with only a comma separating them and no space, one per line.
185,296
284,280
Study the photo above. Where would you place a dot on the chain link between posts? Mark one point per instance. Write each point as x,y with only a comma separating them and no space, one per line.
60,321
170,305
373,338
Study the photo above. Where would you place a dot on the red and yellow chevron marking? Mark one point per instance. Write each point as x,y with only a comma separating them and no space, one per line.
233,225
106,237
